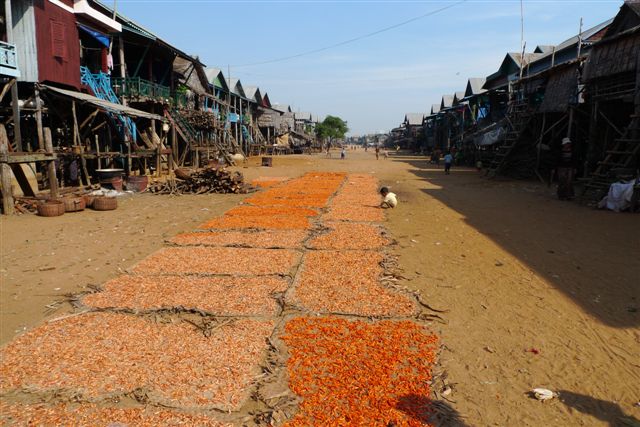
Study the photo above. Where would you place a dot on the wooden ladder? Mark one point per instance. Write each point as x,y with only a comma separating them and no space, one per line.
518,117
623,155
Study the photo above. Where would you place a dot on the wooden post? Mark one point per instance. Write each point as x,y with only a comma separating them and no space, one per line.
159,161
123,71
51,165
5,175
174,144
39,118
99,161
539,147
77,142
593,136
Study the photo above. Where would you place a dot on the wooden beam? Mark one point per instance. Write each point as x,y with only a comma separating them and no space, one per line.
89,118
6,88
146,50
5,175
606,119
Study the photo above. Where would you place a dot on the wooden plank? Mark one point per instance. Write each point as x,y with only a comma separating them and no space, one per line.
12,158
22,180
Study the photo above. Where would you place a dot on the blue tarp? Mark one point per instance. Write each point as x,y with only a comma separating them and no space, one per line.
101,38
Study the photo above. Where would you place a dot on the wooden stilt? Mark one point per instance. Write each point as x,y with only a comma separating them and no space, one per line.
51,165
77,142
5,175
39,131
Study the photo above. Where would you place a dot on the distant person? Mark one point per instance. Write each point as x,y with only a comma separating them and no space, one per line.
448,160
397,148
385,154
377,152
343,154
565,170
389,199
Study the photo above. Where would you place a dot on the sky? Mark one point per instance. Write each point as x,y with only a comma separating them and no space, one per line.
373,81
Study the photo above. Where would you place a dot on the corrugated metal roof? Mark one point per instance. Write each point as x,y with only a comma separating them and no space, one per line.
474,86
253,94
573,41
302,116
102,104
131,26
236,87
447,101
266,102
281,107
457,97
543,48
413,119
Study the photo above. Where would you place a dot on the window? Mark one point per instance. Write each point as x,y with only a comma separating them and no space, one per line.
58,39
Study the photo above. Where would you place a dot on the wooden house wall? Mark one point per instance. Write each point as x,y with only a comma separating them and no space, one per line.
24,37
58,44
614,57
561,87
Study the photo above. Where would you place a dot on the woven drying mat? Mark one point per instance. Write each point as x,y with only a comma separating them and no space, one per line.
205,260
226,296
346,282
92,415
353,372
98,356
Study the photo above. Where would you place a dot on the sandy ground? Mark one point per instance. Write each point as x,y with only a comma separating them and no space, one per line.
541,293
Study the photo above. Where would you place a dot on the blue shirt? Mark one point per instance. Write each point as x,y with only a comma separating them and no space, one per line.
448,158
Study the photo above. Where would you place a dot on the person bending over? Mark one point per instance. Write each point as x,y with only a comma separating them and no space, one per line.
389,199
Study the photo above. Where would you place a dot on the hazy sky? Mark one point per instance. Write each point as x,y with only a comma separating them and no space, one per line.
371,82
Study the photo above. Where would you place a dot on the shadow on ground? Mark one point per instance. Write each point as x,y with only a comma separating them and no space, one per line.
433,412
602,410
589,255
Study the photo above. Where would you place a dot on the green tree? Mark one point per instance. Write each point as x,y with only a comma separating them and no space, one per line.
332,127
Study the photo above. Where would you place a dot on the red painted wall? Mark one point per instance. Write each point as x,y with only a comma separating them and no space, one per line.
58,44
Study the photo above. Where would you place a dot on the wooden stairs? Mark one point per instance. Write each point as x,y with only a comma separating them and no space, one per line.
518,117
620,161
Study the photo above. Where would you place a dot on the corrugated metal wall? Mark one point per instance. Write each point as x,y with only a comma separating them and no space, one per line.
24,35
58,44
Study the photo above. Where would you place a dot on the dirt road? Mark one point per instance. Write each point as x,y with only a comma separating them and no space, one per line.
540,293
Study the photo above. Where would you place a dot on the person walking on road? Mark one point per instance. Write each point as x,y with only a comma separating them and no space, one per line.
377,152
448,160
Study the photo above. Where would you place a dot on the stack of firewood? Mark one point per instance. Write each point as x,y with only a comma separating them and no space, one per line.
201,120
203,181
26,205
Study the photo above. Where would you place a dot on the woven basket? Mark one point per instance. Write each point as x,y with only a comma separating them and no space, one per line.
105,203
51,208
74,204
88,200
